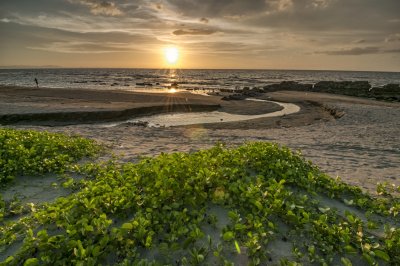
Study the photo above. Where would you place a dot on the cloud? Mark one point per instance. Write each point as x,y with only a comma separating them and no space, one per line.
360,51
194,32
82,47
391,51
62,41
321,3
100,7
280,5
213,9
393,38
72,22
354,51
204,20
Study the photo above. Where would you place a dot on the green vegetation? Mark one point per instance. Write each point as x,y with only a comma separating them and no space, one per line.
28,152
215,206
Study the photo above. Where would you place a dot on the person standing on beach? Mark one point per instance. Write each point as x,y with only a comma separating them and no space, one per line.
37,83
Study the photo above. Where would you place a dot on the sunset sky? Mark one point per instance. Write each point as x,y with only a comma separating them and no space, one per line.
266,34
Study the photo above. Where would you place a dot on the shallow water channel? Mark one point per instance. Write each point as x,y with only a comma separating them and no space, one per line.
193,118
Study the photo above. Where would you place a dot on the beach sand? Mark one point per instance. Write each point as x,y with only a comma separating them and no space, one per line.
362,146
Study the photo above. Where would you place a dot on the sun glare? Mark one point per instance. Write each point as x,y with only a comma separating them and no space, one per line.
171,55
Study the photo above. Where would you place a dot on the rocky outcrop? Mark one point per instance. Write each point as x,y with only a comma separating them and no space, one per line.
245,93
387,89
144,84
234,97
288,85
351,88
389,92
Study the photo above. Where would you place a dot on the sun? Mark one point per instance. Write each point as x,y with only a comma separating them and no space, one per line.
171,55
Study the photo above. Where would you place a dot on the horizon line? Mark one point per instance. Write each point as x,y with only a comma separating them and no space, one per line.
165,68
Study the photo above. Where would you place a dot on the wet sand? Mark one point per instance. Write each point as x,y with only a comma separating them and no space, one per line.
362,146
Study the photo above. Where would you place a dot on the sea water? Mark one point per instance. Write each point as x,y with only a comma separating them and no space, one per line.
192,79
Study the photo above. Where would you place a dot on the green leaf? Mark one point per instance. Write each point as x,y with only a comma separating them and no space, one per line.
324,210
227,236
346,262
368,258
31,262
96,251
127,226
258,205
381,254
350,249
348,202
9,259
237,247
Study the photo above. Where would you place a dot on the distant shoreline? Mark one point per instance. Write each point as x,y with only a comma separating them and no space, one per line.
204,81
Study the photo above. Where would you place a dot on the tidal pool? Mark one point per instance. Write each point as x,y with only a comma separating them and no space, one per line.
193,118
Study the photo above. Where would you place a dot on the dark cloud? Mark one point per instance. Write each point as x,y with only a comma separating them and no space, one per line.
194,32
344,15
391,51
212,8
310,15
204,20
353,51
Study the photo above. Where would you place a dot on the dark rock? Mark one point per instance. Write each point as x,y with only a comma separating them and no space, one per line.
144,84
256,89
250,93
141,123
136,123
392,87
287,85
351,88
234,97
226,90
389,92
388,89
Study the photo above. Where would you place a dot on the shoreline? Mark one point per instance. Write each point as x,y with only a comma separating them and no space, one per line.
48,106
362,146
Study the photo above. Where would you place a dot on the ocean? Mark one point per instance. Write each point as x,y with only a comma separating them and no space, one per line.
197,79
